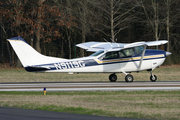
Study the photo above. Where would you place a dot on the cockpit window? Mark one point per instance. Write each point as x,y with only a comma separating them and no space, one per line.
110,55
97,53
126,52
139,50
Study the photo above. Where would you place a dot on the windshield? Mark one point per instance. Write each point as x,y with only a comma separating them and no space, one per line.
110,55
97,53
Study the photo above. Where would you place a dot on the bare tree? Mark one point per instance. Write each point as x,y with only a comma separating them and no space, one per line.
171,17
167,3
152,10
116,14
82,11
82,15
67,6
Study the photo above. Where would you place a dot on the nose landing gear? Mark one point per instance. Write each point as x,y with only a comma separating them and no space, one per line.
153,78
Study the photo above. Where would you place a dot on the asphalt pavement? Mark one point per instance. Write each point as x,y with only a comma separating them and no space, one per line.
7,113
90,86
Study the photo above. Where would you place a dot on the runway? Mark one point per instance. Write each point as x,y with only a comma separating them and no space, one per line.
7,113
90,86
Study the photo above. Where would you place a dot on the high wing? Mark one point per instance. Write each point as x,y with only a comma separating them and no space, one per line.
96,46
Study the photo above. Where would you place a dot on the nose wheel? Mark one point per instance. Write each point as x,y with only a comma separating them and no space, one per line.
153,78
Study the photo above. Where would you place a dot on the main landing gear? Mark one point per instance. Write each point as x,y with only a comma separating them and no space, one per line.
113,77
129,77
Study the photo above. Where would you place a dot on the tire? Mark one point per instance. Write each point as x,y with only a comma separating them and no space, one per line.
153,79
129,78
113,77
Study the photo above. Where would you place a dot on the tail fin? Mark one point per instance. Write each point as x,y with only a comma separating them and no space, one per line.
28,55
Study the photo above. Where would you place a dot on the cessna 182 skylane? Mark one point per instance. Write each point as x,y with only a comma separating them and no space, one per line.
108,57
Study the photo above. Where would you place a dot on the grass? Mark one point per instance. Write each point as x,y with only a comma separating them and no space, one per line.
167,73
128,104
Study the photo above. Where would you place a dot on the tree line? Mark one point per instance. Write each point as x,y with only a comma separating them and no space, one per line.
53,27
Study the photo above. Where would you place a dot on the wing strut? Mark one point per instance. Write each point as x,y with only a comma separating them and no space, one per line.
142,56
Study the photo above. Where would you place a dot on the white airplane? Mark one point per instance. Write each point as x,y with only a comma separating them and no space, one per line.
108,58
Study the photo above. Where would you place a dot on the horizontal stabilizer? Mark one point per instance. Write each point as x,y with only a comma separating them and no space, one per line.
36,68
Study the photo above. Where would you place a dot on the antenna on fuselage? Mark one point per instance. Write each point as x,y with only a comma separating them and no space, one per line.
105,40
114,42
108,42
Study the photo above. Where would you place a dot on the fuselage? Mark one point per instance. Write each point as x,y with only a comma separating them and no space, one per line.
126,60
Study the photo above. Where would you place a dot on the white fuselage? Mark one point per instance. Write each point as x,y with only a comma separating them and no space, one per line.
93,64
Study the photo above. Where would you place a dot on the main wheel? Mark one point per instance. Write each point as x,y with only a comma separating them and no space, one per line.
113,77
153,78
129,78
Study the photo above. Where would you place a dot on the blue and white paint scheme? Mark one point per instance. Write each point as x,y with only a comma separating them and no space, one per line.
108,57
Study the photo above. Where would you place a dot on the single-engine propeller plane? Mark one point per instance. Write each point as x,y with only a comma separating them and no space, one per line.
108,58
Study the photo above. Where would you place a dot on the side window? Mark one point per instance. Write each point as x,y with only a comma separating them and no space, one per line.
126,53
110,55
139,49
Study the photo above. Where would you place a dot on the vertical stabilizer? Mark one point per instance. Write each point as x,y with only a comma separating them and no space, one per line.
28,55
